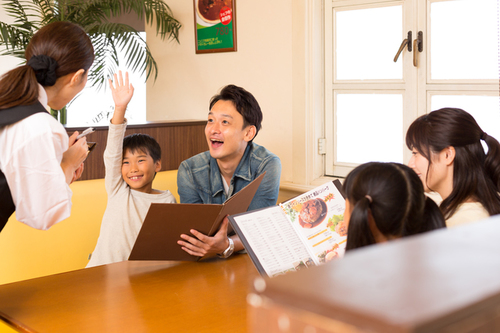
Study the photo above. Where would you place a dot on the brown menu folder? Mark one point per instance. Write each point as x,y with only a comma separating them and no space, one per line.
165,222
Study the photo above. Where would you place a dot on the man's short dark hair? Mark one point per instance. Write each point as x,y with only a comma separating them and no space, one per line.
244,102
144,143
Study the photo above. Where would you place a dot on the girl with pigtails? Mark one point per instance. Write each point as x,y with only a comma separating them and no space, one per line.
449,158
385,201
37,158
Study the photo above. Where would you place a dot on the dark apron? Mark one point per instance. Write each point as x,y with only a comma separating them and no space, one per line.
9,117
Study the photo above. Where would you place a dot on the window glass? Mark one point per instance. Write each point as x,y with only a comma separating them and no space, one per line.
464,39
366,42
93,107
369,127
370,101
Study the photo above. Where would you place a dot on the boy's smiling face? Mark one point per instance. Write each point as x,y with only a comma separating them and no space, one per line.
138,170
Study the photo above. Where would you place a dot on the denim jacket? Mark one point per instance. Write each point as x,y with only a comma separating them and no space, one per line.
199,179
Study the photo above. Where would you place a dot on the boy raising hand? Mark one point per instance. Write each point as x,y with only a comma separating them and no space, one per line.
131,165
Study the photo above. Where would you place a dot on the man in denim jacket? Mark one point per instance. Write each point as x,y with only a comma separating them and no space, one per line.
230,164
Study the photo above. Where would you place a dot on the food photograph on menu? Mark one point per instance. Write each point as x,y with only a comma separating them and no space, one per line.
305,231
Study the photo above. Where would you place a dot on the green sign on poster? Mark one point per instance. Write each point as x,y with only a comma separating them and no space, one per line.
215,25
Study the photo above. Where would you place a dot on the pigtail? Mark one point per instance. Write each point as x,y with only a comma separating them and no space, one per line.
396,204
432,217
359,233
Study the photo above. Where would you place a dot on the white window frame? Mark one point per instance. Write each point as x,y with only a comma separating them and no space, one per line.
422,88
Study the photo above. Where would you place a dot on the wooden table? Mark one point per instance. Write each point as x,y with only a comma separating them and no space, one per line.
134,296
444,281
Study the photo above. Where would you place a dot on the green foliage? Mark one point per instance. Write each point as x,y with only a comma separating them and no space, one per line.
93,16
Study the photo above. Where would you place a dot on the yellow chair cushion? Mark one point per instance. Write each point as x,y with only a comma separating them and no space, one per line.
27,253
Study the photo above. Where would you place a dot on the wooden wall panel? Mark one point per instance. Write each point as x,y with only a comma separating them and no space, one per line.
178,141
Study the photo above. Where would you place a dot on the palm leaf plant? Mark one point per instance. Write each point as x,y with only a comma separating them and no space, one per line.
93,16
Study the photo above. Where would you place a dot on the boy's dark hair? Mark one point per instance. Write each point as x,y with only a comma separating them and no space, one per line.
142,142
244,102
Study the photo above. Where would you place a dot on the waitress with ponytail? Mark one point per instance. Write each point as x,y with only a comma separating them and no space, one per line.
37,159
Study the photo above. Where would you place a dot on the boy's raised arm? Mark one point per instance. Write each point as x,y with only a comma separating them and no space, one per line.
122,93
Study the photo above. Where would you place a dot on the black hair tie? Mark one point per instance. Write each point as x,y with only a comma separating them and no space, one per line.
45,69
483,136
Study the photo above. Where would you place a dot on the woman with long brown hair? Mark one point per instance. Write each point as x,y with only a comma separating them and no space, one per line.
449,158
37,159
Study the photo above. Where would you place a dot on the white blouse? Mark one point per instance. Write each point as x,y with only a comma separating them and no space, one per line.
30,157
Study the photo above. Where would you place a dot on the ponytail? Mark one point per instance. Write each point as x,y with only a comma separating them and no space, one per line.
492,161
432,218
57,49
18,87
359,233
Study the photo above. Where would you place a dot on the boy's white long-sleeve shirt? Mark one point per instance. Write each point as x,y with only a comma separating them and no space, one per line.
126,208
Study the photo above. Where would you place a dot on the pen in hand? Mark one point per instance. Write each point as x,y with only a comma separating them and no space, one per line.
86,132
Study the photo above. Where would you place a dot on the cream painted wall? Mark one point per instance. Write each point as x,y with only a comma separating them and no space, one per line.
279,60
262,65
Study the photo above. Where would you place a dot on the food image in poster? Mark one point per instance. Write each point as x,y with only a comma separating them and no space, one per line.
215,25
312,213
209,10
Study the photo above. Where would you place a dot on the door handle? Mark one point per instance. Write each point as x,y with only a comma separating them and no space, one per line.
418,45
406,42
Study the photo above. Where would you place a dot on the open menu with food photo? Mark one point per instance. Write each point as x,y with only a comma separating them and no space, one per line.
305,231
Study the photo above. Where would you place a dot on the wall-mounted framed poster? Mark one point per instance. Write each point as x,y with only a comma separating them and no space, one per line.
215,25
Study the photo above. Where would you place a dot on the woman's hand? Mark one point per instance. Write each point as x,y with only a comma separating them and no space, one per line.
201,244
78,172
74,157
